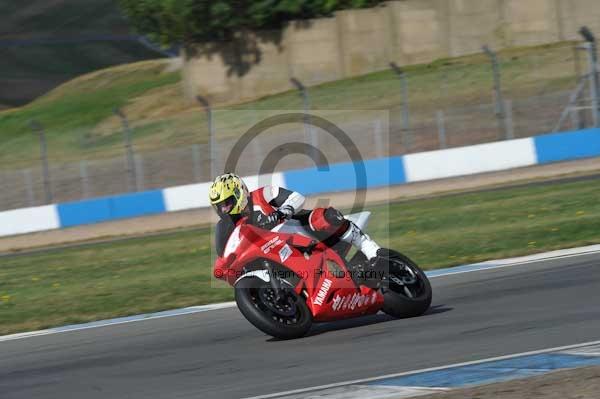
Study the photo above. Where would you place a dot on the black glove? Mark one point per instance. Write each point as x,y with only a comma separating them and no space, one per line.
269,221
286,212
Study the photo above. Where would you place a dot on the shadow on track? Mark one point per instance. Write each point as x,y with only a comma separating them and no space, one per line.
322,328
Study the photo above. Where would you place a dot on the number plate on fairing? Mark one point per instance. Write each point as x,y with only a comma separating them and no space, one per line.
285,252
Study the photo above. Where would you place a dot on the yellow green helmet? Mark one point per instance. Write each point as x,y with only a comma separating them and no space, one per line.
228,194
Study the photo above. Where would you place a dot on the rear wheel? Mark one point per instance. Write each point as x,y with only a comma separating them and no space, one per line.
286,318
407,292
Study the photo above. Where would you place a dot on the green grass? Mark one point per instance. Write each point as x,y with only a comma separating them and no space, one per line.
173,270
80,124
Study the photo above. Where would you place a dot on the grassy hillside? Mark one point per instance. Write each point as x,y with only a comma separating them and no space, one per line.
80,124
69,112
44,43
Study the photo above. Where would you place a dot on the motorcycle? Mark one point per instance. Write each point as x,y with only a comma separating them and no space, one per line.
285,279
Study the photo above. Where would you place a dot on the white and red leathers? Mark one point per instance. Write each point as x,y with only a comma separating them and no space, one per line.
271,205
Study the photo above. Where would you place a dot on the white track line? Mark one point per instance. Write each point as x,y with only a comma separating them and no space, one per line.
120,320
370,392
518,261
381,377
490,265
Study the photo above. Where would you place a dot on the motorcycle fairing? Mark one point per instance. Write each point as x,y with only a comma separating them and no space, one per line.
342,299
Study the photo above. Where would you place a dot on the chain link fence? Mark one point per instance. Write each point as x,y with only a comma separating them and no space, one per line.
416,109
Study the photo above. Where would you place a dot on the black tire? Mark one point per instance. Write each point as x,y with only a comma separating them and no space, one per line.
249,294
397,302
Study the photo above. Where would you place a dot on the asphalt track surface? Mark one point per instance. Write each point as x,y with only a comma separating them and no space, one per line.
218,354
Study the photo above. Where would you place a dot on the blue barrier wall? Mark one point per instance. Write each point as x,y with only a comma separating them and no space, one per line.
567,145
111,208
346,176
337,177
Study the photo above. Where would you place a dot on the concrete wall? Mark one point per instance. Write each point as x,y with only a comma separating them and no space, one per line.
531,22
573,14
355,42
474,23
419,30
314,51
363,41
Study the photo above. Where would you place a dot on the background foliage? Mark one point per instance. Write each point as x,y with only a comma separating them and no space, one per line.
188,21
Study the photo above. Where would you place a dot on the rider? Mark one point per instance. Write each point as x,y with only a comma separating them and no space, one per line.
270,205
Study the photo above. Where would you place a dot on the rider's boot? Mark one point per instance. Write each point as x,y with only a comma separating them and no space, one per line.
355,236
368,273
332,221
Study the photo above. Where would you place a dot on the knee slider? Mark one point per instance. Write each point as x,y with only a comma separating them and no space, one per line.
334,217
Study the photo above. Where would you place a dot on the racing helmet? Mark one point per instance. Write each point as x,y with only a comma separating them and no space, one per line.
228,194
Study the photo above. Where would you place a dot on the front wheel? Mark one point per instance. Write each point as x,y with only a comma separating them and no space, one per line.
286,318
407,292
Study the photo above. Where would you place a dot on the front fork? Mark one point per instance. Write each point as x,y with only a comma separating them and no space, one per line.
274,281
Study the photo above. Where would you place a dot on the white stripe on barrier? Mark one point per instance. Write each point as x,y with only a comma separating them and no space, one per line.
186,197
196,195
470,160
28,220
423,166
254,182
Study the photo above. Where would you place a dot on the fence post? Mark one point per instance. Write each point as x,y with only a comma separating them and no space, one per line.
590,46
29,187
407,139
575,121
441,124
444,93
85,179
508,120
39,129
211,135
572,105
196,167
576,113
379,151
131,172
2,192
499,101
5,195
139,176
309,132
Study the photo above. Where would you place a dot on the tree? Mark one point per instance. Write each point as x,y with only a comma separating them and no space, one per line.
191,21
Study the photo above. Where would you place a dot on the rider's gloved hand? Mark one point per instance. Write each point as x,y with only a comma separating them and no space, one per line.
269,221
286,212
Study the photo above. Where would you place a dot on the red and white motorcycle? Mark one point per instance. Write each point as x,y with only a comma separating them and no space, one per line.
285,279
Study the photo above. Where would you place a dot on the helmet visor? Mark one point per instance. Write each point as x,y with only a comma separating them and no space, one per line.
226,206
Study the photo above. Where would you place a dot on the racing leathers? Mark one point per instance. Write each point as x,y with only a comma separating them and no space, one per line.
270,205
